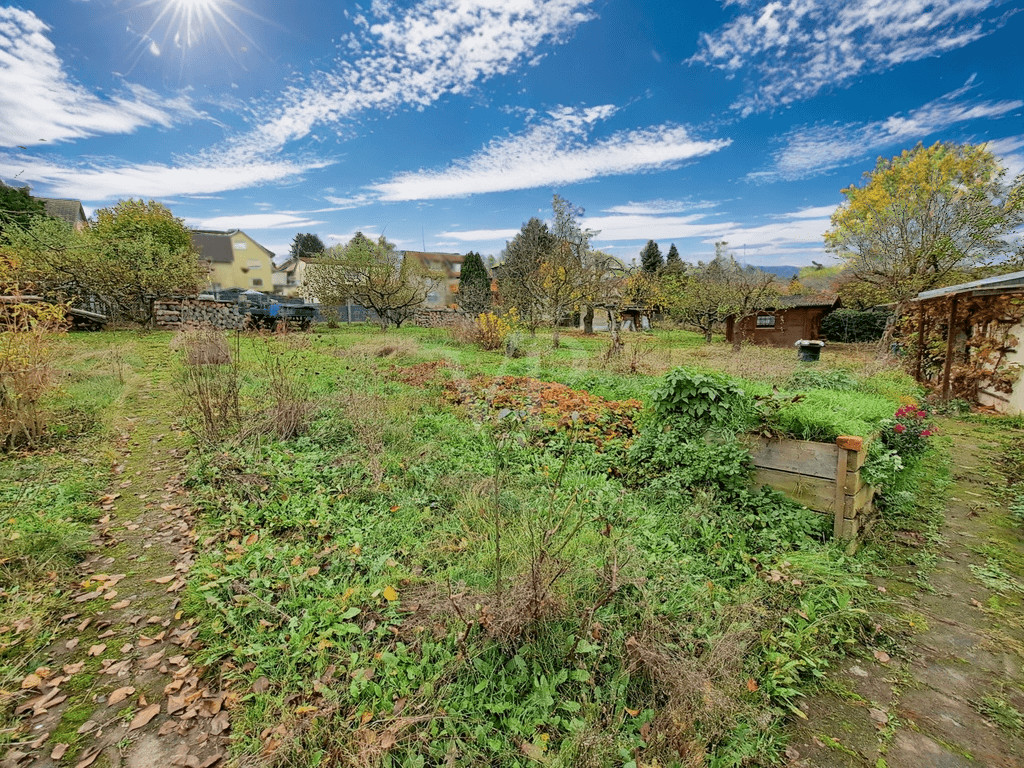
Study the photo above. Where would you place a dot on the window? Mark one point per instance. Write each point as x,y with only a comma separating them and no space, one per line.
241,246
457,268
257,282
766,321
254,263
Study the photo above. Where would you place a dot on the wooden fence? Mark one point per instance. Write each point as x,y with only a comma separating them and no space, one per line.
822,476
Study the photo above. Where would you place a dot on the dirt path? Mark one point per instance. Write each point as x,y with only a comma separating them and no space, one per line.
955,696
120,687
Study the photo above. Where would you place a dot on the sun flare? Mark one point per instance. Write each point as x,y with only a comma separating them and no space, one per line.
188,23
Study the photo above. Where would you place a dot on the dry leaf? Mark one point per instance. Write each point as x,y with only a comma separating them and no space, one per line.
121,604
390,594
87,726
366,717
120,694
73,669
163,579
175,704
143,717
31,681
96,650
88,759
58,751
72,643
752,684
219,724
260,684
882,656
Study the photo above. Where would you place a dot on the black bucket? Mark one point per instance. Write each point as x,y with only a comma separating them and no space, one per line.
808,351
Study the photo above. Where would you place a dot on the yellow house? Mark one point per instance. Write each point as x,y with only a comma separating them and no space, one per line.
288,277
234,260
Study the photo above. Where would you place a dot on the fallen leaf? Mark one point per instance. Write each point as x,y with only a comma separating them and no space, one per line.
260,684
175,704
120,694
31,681
73,669
882,656
219,724
58,751
752,684
88,596
121,604
87,726
366,717
390,594
305,709
878,715
163,579
151,661
143,717
96,650
89,759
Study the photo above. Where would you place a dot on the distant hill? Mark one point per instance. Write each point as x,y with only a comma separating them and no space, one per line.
785,272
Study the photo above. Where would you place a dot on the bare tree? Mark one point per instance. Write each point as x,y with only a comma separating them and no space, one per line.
372,274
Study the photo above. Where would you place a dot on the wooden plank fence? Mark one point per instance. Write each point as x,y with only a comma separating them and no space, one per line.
822,476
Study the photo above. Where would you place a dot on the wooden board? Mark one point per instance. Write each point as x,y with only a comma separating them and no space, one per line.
798,456
853,482
814,492
856,459
855,503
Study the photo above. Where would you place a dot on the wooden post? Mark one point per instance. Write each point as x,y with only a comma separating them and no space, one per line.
950,344
920,341
840,504
348,306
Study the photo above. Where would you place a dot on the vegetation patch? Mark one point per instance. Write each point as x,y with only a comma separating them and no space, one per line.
556,406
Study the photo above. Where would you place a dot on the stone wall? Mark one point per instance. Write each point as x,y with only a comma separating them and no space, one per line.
175,313
436,318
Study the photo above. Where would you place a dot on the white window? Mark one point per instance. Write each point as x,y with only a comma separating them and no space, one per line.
241,245
766,321
457,269
254,263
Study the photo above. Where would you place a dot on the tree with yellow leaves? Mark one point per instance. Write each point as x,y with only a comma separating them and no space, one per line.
924,217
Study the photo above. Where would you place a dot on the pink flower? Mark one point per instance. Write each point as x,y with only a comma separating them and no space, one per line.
926,433
899,428
921,414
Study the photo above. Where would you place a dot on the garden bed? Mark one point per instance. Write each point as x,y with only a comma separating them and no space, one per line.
822,476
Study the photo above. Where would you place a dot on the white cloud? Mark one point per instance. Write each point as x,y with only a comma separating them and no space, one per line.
1005,151
792,49
413,57
484,235
555,149
808,151
258,221
794,231
657,207
39,102
101,180
347,203
642,227
816,212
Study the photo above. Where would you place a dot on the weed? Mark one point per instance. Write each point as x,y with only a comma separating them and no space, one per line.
210,383
1002,713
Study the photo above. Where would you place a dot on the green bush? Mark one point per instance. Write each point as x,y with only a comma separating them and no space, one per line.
701,401
811,378
851,325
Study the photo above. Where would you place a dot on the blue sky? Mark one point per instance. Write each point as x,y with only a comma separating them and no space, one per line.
445,124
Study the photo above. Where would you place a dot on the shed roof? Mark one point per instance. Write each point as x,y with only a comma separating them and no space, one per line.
794,301
70,211
1010,281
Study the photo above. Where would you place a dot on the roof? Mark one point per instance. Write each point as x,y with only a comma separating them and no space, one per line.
70,211
215,246
796,301
1012,281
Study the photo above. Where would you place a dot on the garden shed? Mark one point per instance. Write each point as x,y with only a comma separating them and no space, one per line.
790,319
962,341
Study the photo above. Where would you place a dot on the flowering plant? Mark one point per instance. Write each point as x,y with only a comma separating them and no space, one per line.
907,432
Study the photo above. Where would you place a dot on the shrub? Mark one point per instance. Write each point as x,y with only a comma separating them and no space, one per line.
27,374
908,431
703,401
491,330
211,382
853,325
809,378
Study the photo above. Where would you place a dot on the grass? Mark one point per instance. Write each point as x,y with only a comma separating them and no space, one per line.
408,581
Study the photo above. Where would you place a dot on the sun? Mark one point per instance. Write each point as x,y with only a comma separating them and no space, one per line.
187,24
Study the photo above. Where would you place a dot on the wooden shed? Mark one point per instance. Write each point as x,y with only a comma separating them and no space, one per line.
791,319
964,341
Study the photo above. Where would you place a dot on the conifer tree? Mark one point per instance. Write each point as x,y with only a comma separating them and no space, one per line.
474,294
650,258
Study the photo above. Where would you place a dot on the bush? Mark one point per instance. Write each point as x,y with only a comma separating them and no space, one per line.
211,382
810,378
853,325
491,330
26,367
908,431
703,401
